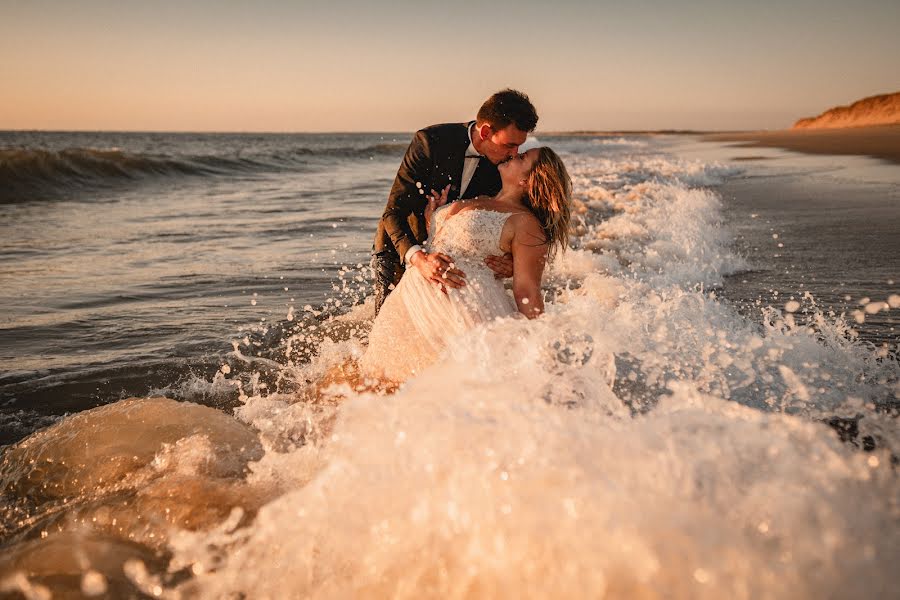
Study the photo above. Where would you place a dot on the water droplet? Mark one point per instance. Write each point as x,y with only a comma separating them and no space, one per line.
93,583
875,307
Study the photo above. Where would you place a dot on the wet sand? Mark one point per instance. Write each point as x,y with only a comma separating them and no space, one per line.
882,141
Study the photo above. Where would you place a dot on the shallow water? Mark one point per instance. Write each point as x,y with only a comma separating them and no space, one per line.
712,468
125,279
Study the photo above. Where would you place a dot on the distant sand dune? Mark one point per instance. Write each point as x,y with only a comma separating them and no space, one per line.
874,110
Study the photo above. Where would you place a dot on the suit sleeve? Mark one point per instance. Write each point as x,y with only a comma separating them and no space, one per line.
405,199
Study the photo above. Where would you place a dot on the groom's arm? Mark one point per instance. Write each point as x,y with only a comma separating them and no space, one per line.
406,196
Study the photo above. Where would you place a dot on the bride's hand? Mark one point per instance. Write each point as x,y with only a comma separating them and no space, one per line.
435,201
439,269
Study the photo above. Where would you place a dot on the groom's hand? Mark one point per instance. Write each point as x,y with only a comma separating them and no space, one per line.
502,266
435,201
438,268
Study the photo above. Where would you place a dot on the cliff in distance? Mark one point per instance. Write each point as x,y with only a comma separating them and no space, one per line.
874,110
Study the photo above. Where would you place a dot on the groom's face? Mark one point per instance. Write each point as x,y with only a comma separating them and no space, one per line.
500,145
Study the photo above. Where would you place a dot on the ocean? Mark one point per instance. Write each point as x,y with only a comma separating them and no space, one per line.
748,448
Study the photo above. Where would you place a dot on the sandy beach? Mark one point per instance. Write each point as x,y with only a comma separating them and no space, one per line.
882,141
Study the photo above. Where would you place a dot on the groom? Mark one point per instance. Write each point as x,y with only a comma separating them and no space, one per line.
462,157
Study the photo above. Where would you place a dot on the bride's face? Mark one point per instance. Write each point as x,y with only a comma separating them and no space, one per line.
515,170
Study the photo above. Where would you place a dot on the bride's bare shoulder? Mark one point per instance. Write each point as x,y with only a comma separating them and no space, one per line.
524,219
525,223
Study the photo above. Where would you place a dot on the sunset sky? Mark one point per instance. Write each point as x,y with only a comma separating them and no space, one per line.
343,65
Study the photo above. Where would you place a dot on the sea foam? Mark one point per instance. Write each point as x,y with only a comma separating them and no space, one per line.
512,467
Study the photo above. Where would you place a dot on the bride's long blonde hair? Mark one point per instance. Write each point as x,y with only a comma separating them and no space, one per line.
548,193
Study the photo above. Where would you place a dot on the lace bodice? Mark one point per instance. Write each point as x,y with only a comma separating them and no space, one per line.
419,319
469,235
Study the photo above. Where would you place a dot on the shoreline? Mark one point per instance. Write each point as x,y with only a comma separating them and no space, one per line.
878,141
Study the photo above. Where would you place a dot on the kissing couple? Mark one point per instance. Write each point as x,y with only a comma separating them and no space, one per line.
465,212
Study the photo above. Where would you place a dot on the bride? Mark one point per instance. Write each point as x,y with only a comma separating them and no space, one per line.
529,219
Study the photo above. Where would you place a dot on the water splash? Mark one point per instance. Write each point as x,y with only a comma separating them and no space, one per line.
711,468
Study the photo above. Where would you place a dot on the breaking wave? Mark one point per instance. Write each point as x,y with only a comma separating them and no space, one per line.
25,172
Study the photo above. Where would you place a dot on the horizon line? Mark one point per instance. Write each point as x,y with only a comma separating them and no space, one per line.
667,130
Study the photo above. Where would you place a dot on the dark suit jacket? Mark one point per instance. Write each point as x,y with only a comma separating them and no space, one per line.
434,159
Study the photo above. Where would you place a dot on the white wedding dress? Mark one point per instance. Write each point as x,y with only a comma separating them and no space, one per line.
418,320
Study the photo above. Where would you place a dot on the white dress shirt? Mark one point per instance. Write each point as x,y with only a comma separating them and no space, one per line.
470,163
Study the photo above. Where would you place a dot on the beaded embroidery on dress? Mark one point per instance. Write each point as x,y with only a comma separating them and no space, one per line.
418,320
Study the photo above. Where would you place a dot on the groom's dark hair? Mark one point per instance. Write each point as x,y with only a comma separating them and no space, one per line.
508,107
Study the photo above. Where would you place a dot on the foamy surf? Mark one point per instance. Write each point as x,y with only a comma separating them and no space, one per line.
511,468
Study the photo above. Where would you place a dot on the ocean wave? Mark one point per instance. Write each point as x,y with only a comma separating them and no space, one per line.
25,172
620,141
388,149
24,168
510,464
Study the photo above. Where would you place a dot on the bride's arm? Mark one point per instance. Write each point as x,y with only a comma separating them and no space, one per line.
529,249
